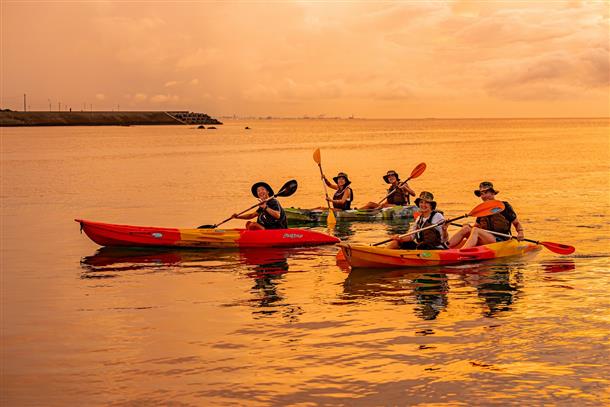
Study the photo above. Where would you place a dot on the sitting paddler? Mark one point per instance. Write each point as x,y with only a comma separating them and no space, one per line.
430,239
344,196
500,222
270,214
400,194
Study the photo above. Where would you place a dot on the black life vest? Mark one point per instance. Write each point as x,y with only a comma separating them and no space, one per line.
499,222
339,195
268,221
430,237
399,197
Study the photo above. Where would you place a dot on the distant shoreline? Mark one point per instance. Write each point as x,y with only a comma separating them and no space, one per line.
30,119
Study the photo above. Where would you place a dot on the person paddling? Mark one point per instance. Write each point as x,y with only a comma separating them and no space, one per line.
431,239
500,222
270,214
344,196
400,194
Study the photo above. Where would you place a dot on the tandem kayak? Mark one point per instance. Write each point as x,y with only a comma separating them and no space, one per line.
106,234
379,257
296,215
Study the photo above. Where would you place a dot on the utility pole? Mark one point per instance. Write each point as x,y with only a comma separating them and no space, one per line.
59,106
24,109
49,104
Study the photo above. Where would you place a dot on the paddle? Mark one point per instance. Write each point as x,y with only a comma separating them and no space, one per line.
417,171
554,247
287,189
330,219
483,209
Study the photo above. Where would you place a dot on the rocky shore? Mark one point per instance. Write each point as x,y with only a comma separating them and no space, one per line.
10,118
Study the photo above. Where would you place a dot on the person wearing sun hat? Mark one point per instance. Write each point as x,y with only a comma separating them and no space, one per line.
400,193
344,196
500,222
431,239
270,214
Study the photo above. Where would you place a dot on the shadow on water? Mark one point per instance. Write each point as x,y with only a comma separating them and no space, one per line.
496,284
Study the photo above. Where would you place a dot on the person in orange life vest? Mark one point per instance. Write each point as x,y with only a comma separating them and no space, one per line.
431,239
499,222
400,197
344,196
270,214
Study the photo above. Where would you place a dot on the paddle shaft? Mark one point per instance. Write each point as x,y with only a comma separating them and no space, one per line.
426,228
395,189
501,234
324,184
244,211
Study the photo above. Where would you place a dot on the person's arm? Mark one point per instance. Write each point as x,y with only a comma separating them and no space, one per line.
271,208
408,189
245,216
330,184
519,229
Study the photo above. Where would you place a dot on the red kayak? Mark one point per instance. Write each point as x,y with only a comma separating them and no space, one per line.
106,234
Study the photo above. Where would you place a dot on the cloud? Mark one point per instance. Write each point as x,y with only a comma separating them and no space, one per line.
161,99
200,57
100,96
171,83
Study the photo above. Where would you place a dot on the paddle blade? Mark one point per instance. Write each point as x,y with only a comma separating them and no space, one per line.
558,247
316,156
341,256
487,208
331,219
418,170
288,188
206,227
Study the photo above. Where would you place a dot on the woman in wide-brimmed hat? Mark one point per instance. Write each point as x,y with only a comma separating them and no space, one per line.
344,196
400,194
431,239
500,222
270,214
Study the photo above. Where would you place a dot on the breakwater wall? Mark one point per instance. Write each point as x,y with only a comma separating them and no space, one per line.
9,118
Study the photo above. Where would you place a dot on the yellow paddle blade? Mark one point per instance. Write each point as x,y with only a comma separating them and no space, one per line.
316,156
331,219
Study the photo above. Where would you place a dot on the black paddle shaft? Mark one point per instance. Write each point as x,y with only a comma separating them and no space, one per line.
287,189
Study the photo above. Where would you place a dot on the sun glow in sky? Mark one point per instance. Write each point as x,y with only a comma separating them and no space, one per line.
368,59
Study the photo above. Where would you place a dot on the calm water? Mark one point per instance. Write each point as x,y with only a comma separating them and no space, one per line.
84,326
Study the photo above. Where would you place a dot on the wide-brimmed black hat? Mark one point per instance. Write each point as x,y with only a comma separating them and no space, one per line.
428,197
484,186
344,175
261,184
391,172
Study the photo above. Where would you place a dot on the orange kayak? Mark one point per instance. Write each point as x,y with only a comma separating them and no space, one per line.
376,257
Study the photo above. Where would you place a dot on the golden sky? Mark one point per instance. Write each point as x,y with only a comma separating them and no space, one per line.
368,59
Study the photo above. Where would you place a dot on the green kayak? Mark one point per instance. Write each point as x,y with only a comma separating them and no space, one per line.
298,215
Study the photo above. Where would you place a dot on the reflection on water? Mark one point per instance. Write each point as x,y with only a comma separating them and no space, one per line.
497,285
427,289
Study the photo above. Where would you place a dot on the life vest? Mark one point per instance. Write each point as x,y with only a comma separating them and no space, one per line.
268,221
430,237
339,195
399,197
498,222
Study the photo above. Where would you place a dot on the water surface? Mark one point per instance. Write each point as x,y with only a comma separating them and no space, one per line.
91,326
